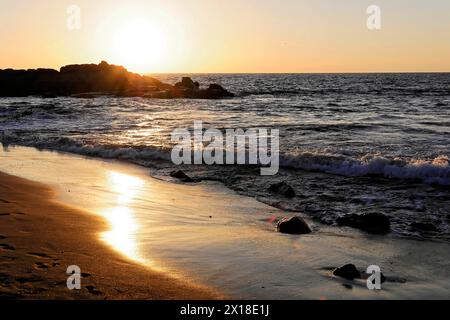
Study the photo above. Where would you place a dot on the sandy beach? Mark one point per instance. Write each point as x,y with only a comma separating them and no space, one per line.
40,238
139,237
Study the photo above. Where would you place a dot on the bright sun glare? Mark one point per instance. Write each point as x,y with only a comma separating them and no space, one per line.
121,216
140,46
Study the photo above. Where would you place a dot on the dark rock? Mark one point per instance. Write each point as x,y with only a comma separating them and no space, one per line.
74,79
348,272
187,83
282,188
293,225
216,91
371,222
190,89
91,80
424,226
215,86
181,176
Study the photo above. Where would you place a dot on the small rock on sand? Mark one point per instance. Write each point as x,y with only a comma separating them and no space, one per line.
181,176
348,272
293,225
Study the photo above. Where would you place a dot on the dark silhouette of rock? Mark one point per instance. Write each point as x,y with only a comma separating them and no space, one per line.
187,88
181,176
214,90
187,83
424,226
348,272
90,80
293,225
370,222
282,188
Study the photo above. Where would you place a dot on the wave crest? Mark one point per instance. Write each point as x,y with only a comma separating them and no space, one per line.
435,171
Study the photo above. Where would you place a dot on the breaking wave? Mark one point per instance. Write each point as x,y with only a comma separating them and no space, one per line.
139,155
435,171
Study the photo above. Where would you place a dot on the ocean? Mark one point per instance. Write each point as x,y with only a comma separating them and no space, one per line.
349,143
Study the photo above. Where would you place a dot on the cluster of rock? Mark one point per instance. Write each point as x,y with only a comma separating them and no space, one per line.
371,222
187,88
90,80
296,225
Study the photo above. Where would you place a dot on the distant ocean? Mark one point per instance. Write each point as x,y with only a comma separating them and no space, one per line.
349,143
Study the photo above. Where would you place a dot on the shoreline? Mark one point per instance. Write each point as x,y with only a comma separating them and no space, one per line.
209,235
40,238
256,186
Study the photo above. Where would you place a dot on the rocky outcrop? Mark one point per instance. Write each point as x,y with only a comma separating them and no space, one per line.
88,80
187,88
293,225
371,222
187,83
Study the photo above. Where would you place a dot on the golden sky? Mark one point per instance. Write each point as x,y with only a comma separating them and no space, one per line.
228,36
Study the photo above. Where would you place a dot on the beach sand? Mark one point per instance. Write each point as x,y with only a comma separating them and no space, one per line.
40,238
140,237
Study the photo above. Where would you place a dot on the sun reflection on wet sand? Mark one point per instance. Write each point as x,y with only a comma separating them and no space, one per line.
122,235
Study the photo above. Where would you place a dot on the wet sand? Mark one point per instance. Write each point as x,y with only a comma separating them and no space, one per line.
193,234
40,238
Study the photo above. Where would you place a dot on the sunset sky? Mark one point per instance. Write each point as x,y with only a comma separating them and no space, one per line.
228,36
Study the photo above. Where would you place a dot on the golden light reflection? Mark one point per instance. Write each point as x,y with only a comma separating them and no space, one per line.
121,217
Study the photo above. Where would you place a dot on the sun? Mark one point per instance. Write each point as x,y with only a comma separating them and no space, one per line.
140,46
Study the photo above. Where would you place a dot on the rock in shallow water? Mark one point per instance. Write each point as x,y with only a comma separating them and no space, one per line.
181,176
187,83
371,222
348,272
282,188
188,88
293,225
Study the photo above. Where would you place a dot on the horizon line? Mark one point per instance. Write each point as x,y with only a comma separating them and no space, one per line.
343,72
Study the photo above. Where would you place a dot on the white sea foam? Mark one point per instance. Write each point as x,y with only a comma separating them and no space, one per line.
435,171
